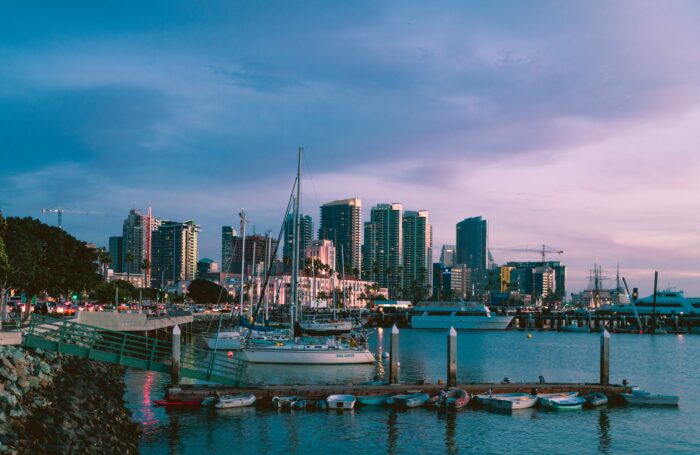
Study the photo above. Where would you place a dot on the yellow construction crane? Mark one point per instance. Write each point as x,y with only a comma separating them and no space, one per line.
543,250
60,211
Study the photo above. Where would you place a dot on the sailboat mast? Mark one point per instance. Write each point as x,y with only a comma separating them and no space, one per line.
342,279
241,292
295,247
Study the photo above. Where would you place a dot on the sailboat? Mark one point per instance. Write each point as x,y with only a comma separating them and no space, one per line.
302,350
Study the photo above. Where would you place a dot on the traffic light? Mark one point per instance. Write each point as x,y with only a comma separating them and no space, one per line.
74,297
635,294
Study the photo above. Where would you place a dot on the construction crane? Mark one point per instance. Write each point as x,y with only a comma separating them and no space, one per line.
60,211
543,250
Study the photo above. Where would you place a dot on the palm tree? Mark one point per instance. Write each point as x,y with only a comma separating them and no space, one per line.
104,258
129,259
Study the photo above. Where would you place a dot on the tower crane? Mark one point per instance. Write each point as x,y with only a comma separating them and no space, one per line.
543,250
60,211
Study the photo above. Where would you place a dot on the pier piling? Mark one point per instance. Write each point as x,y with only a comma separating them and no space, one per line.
605,357
175,370
394,352
452,358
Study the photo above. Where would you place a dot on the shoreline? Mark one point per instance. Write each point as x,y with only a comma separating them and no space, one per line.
59,404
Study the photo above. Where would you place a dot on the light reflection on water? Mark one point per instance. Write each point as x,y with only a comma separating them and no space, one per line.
664,364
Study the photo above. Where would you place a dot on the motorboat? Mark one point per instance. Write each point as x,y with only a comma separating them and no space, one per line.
668,302
233,341
643,398
235,401
459,398
460,315
575,328
395,399
596,399
341,401
372,400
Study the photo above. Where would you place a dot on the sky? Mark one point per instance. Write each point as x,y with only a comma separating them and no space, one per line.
572,124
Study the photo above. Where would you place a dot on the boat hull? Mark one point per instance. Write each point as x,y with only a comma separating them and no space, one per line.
236,401
307,356
461,322
650,400
374,400
514,403
345,402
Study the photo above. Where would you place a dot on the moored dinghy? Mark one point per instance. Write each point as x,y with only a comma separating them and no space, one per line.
513,401
235,401
642,398
415,400
285,401
372,400
459,398
341,401
596,399
546,400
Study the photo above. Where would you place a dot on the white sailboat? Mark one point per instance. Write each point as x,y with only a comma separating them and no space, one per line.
303,351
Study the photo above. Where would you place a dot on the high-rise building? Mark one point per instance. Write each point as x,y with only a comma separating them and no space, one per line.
306,235
116,253
255,253
525,278
341,223
227,235
134,242
323,250
447,255
383,247
417,249
174,253
472,243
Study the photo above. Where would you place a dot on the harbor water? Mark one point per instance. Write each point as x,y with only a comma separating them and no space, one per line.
665,364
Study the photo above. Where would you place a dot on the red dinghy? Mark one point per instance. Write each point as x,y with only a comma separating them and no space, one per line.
176,403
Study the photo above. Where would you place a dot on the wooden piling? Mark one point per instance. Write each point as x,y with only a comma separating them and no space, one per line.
394,353
175,368
452,357
605,357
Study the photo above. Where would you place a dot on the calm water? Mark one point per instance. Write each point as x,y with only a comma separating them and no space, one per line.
665,364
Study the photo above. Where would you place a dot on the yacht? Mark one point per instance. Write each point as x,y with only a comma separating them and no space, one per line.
232,341
460,315
326,326
668,302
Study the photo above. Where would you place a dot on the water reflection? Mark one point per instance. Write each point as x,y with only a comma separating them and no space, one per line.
392,431
605,439
450,432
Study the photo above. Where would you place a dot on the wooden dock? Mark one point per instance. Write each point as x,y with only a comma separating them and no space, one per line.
265,393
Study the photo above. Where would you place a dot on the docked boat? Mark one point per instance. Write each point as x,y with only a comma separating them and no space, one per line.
301,351
668,302
458,399
460,315
411,400
285,401
235,401
395,399
562,400
596,399
186,403
341,401
326,326
224,340
372,400
642,398
233,341
513,401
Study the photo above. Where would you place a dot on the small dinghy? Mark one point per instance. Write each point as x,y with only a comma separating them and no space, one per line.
562,402
412,400
285,401
596,399
513,401
395,399
643,398
235,401
189,403
546,400
373,400
341,401
209,401
499,399
452,398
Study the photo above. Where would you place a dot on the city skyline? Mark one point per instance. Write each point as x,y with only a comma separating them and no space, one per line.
574,126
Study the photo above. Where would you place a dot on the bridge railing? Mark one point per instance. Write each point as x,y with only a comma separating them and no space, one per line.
131,350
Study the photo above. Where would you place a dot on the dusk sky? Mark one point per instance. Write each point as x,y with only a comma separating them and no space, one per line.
575,124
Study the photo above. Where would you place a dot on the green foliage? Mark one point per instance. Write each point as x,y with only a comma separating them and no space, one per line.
106,292
204,291
46,259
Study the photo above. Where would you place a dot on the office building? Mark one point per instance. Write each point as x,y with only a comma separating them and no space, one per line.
306,235
383,247
255,253
341,223
323,251
447,255
116,253
472,243
134,242
417,249
174,253
227,235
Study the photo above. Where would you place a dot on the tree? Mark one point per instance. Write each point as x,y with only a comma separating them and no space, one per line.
203,292
104,258
46,259
5,272
107,292
145,266
129,259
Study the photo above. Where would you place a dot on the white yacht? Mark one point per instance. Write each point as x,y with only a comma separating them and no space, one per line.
668,302
460,315
233,341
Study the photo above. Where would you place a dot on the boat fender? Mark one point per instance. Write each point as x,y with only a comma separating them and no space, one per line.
229,353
